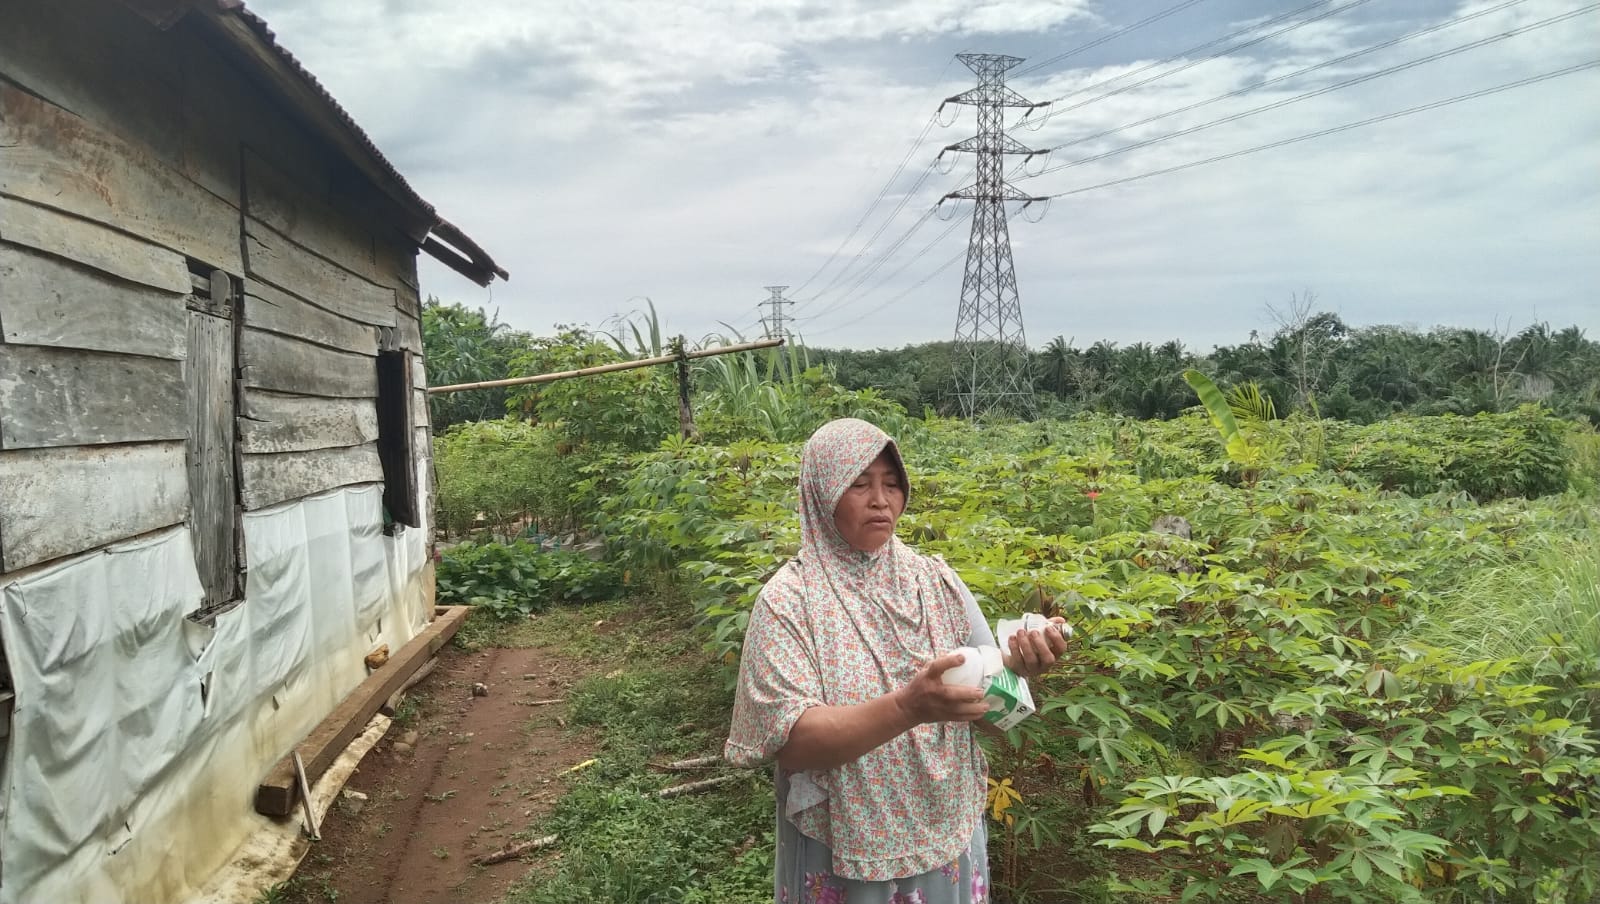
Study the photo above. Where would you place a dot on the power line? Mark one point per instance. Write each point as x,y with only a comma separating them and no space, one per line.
916,144
860,253
1295,74
1055,111
919,284
1421,108
880,261
1360,79
954,224
1169,11
1183,54
882,192
876,265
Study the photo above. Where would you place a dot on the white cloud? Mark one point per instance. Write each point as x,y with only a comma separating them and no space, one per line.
694,153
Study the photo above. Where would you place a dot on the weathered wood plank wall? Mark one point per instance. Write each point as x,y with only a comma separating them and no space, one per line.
270,361
51,301
57,159
276,311
56,502
274,422
271,479
208,374
44,229
133,157
278,260
65,397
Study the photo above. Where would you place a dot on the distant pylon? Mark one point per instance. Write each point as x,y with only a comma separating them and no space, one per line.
775,322
991,350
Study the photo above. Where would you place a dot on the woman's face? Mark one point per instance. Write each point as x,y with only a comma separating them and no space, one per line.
866,514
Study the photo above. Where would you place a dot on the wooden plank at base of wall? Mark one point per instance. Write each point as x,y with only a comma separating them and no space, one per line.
271,479
279,261
270,361
92,245
48,301
271,309
277,795
66,397
57,502
57,159
273,422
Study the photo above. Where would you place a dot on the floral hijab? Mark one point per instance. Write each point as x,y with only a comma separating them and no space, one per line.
835,627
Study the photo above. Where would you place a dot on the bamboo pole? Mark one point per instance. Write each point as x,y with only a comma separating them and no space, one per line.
515,851
699,762
692,787
609,368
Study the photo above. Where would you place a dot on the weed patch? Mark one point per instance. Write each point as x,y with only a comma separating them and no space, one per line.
620,844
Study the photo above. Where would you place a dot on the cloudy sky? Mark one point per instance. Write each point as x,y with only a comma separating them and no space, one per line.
692,153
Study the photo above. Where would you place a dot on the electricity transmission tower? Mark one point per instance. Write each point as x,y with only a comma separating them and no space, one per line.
991,351
774,322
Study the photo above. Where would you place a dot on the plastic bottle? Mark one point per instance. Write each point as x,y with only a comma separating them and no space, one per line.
979,665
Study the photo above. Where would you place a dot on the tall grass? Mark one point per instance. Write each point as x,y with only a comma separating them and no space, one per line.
1533,605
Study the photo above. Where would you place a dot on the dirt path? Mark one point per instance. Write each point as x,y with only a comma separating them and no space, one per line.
454,778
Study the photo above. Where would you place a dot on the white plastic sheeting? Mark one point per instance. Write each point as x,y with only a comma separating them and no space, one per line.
138,737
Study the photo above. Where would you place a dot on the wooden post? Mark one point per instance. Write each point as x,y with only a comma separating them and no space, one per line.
686,427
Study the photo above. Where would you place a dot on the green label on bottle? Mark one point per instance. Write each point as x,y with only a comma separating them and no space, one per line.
1009,700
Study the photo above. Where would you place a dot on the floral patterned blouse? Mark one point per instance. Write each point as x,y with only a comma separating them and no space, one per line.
836,627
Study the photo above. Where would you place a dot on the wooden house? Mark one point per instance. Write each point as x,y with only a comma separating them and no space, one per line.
214,445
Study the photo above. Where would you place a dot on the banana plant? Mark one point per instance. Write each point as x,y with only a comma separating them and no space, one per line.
1250,456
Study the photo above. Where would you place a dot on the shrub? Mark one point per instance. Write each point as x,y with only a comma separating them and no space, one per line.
1254,691
510,580
1490,456
508,473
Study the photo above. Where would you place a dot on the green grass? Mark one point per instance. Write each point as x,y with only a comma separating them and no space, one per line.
621,846
618,843
652,622
655,695
1533,605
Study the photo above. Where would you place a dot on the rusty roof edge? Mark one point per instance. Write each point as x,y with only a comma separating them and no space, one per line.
475,263
452,234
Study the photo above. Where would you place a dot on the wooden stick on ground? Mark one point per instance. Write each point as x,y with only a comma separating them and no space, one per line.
393,703
704,785
312,829
527,847
514,851
540,702
699,762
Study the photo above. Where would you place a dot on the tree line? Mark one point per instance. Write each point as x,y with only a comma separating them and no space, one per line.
1310,361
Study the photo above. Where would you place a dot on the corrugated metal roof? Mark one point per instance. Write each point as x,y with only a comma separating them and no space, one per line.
476,264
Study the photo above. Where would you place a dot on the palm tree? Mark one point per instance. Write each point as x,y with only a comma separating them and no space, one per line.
1057,365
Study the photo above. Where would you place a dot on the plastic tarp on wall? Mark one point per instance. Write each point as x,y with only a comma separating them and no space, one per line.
138,736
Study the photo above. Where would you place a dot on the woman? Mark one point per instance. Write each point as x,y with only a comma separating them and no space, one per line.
880,781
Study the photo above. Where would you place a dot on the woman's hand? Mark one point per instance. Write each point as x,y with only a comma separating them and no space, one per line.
1032,653
928,699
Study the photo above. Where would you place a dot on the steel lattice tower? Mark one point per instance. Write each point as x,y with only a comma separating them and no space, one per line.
775,322
991,350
